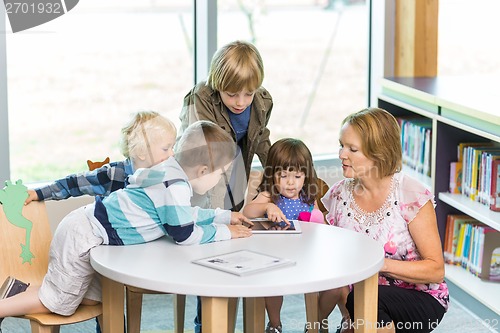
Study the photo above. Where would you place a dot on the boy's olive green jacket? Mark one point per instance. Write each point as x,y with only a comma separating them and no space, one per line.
204,103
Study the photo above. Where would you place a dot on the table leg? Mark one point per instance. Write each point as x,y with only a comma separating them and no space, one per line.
312,311
365,305
179,312
112,306
232,314
214,314
254,314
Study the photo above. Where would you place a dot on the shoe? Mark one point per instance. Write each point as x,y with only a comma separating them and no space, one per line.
12,286
270,329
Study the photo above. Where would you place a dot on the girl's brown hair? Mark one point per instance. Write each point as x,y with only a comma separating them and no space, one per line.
289,155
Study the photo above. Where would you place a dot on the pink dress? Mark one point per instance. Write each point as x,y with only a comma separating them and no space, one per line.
388,225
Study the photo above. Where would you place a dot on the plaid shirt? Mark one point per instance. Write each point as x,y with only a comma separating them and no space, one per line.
99,182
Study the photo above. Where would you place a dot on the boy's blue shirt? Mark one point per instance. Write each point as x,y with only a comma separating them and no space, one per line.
240,123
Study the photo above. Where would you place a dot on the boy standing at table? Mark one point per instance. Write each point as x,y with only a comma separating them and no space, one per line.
233,98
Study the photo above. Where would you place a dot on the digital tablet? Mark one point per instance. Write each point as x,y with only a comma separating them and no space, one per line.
265,226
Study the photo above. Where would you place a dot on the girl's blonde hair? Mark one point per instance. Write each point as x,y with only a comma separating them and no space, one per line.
144,128
289,155
380,138
236,66
205,143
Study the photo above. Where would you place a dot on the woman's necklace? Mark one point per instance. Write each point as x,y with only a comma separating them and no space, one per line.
367,219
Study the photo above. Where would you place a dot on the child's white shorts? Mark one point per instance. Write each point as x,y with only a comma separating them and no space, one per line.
70,277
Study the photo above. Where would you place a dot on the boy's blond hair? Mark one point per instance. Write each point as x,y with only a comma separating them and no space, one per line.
236,66
205,143
142,130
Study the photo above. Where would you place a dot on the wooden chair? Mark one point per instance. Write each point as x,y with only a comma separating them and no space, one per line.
323,188
11,263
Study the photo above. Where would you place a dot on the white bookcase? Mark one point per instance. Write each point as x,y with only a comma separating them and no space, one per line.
462,109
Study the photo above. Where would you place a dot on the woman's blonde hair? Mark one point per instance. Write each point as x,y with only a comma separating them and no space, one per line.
144,128
289,155
236,66
380,138
205,143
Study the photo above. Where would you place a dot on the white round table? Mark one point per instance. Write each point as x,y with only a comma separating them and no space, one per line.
325,257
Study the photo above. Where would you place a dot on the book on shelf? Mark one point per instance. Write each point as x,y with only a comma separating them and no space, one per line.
461,146
455,178
478,170
416,142
488,261
244,262
484,188
495,186
466,151
473,246
427,152
454,237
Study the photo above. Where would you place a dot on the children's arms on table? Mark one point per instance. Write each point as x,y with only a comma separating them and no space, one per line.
239,231
261,206
238,218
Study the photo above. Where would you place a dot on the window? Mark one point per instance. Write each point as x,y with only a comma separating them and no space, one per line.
74,81
468,42
315,57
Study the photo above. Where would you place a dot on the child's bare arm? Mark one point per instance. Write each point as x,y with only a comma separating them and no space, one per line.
261,206
258,206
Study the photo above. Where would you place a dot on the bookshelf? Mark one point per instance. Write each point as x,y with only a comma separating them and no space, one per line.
462,109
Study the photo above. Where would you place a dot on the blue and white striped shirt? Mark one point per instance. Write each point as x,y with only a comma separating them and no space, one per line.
156,203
